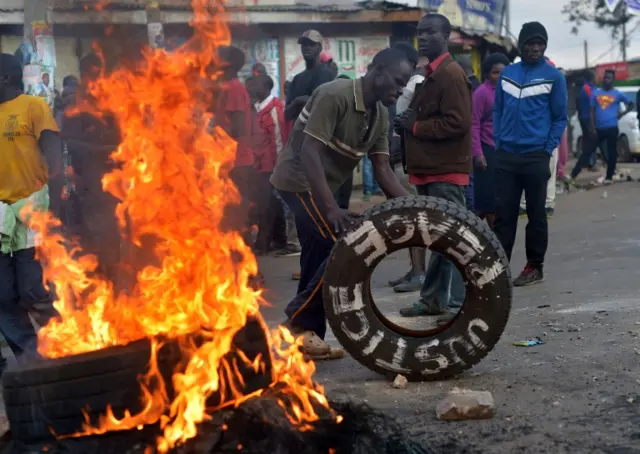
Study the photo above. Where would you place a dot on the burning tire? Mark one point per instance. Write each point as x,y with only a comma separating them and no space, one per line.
48,397
389,349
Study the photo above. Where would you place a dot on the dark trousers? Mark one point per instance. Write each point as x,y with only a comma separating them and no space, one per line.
517,172
607,137
22,293
343,196
469,194
442,280
272,226
588,143
306,309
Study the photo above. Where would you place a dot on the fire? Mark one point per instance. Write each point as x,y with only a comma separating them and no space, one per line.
173,184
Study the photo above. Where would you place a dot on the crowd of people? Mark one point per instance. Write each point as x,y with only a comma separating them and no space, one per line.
492,145
485,145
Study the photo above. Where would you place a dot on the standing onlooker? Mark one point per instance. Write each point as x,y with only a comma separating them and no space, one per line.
482,138
529,119
327,59
437,131
550,201
90,141
314,74
272,136
605,113
342,121
30,156
233,114
584,115
465,63
412,280
369,184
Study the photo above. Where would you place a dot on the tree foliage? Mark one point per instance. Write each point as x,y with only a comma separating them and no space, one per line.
579,12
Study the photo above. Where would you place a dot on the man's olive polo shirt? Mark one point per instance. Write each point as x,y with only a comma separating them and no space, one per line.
335,115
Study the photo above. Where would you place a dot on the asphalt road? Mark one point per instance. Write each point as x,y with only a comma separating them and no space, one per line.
580,392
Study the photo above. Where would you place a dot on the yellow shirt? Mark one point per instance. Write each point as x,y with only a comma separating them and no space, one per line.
23,168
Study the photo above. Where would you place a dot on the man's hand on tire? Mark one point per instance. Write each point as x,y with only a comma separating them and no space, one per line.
340,220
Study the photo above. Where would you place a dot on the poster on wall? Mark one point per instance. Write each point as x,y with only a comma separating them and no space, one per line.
470,15
38,81
352,55
39,62
265,51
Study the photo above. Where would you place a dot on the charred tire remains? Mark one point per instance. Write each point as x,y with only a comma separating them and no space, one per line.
442,227
49,396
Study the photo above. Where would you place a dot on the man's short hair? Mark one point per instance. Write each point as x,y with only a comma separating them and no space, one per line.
11,69
589,76
444,21
264,80
610,71
409,50
232,55
90,64
388,57
69,81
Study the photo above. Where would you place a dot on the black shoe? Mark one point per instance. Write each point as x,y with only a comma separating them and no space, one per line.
529,276
550,212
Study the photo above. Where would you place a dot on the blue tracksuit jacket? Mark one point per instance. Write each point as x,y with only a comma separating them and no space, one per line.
530,109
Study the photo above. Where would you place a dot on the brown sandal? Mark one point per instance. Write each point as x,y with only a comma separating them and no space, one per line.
316,349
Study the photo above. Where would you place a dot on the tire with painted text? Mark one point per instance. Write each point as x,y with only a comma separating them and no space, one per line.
389,349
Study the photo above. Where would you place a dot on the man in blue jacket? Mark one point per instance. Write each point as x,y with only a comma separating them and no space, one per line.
529,118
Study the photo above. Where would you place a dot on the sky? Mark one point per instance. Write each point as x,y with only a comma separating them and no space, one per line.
565,48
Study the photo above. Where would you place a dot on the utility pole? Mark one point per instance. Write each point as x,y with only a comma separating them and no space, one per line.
586,54
623,43
155,30
34,11
507,16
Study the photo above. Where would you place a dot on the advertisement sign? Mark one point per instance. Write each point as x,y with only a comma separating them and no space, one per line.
620,68
470,15
633,7
265,51
351,55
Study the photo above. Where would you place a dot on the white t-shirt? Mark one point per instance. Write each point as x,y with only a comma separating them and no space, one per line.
407,93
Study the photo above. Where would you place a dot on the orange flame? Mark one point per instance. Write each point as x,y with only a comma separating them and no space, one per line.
173,184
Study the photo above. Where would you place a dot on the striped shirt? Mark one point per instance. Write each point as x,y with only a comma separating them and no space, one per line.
336,116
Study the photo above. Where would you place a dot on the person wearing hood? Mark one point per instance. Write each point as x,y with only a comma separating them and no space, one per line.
529,119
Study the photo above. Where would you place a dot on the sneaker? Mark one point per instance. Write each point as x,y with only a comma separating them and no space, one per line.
366,197
607,182
446,318
295,276
290,250
568,182
550,212
400,280
529,276
422,309
522,213
412,285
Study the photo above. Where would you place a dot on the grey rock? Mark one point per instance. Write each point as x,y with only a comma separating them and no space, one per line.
462,404
400,382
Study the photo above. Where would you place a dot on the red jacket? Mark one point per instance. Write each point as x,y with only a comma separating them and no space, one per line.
272,133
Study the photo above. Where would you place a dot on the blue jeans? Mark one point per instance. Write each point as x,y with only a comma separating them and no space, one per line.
369,183
443,281
22,292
